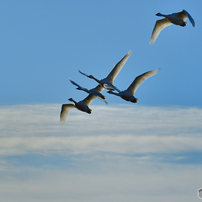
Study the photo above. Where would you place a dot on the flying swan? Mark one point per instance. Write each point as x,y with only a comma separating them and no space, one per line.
128,94
93,91
82,105
107,82
174,18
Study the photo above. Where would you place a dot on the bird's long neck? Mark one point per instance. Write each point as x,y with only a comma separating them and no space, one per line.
74,101
111,92
84,89
163,15
96,79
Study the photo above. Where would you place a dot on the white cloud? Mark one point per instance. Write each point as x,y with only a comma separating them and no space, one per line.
124,144
116,180
119,129
118,153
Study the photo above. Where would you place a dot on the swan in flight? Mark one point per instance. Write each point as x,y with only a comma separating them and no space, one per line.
174,18
82,105
107,82
128,94
93,91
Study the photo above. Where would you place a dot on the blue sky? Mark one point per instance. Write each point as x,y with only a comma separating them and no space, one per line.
150,150
45,43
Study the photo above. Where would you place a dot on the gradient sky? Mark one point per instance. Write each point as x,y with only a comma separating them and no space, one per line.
150,150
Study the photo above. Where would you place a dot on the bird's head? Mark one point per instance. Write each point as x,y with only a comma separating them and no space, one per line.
70,99
91,76
158,14
110,92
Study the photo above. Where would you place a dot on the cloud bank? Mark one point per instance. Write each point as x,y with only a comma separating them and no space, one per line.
119,129
118,153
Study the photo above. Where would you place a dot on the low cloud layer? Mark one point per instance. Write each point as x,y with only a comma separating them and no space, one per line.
119,129
114,154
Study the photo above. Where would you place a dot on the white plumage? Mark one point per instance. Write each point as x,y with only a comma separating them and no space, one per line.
108,81
128,94
174,18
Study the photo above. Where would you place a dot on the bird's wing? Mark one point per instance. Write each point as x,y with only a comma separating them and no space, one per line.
184,15
102,100
79,87
91,96
111,86
98,94
74,83
160,25
94,91
117,68
83,73
64,112
139,79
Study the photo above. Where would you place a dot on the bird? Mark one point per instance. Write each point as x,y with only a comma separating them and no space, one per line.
107,82
128,94
93,91
174,18
82,105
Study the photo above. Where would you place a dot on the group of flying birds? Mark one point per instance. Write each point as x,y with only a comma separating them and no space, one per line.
107,83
